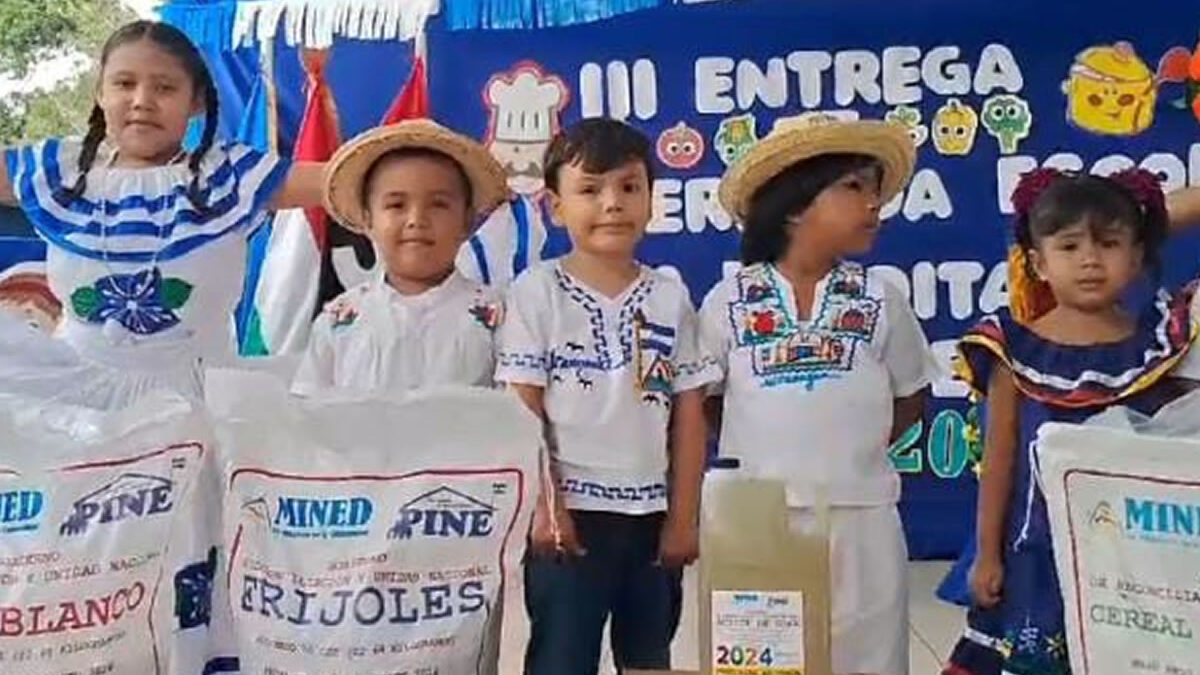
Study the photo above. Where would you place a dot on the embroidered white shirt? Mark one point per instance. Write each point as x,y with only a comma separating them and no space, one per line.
811,401
610,368
373,338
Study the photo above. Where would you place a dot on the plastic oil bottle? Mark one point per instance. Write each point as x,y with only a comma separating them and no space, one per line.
764,586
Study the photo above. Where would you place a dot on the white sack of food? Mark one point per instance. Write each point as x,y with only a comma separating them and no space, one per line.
1125,517
108,538
372,536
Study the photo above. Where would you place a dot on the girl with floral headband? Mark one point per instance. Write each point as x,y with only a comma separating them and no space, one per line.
1063,352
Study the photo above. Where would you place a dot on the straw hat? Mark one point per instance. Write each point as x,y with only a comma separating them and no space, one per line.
346,171
803,137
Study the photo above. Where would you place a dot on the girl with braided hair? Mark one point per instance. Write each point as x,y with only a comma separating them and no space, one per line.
146,240
1064,351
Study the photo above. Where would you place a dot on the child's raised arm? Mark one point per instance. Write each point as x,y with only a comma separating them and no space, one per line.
1183,208
302,188
995,486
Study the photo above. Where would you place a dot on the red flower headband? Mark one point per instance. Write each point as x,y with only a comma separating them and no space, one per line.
1144,186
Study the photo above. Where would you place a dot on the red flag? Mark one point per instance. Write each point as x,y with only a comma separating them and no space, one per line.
413,100
318,137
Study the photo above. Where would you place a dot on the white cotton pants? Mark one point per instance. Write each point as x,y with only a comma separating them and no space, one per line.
869,569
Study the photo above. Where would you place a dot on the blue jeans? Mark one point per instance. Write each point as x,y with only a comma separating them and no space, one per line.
569,600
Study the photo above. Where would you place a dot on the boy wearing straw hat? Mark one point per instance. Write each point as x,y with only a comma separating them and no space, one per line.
605,350
823,366
417,190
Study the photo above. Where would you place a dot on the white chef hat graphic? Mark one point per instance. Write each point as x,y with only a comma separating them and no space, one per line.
525,104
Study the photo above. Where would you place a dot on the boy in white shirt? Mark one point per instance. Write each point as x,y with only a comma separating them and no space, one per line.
824,366
417,190
605,349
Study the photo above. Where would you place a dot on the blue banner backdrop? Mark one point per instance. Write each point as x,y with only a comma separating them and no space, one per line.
986,88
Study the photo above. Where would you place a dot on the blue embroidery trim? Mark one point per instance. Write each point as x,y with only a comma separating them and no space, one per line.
574,358
585,488
523,360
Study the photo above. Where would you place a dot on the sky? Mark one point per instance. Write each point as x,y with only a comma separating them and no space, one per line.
55,70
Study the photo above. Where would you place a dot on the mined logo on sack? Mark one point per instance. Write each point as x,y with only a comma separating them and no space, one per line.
1153,520
132,495
444,513
321,518
21,511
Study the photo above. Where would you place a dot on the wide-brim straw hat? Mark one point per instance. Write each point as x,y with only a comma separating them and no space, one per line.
807,136
346,171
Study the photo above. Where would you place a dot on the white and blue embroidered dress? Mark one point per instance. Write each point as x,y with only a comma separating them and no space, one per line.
148,280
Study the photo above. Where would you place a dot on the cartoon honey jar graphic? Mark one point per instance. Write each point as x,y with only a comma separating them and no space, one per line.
1111,91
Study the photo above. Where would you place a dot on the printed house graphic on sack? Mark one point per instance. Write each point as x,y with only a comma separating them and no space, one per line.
131,495
444,513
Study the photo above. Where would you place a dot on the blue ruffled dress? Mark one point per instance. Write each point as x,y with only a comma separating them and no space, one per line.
1025,634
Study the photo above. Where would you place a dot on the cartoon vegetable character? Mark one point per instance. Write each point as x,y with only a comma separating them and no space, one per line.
734,137
909,118
1111,91
680,147
763,323
954,128
1008,119
1183,67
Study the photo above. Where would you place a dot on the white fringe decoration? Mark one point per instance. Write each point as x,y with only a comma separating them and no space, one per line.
315,23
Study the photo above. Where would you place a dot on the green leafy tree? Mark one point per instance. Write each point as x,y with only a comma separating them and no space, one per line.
34,31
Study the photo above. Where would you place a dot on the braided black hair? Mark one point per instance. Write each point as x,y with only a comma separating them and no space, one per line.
176,43
87,155
196,193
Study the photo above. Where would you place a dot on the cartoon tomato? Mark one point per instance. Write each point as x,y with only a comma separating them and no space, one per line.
763,323
680,147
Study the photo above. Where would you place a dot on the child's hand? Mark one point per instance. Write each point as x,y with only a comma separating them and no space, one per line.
679,544
987,581
554,536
